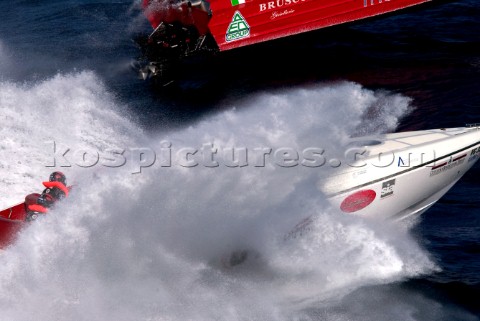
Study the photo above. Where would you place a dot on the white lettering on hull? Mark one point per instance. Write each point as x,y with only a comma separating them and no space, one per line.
277,4
372,2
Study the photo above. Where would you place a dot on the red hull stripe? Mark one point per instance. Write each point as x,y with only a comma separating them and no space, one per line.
438,166
460,157
445,163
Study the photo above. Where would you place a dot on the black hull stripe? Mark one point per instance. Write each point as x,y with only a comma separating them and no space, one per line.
405,171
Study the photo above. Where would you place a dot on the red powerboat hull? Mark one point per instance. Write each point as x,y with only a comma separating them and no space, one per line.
14,218
11,221
237,23
271,19
186,27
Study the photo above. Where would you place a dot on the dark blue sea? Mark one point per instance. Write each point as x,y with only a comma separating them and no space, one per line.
65,75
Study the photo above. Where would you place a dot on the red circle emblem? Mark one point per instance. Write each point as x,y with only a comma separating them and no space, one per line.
358,201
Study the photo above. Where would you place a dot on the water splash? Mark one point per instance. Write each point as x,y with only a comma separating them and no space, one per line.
149,246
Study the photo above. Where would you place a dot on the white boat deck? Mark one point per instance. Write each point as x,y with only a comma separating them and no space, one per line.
399,141
392,154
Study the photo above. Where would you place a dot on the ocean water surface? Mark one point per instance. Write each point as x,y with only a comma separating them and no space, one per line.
149,246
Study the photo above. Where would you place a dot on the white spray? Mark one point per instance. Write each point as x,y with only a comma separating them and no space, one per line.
149,246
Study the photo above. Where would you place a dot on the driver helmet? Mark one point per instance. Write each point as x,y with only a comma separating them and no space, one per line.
58,177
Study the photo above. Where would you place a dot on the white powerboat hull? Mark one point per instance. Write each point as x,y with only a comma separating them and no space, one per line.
398,175
403,174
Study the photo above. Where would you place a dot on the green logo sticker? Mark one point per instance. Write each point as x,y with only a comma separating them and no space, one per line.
238,28
237,2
